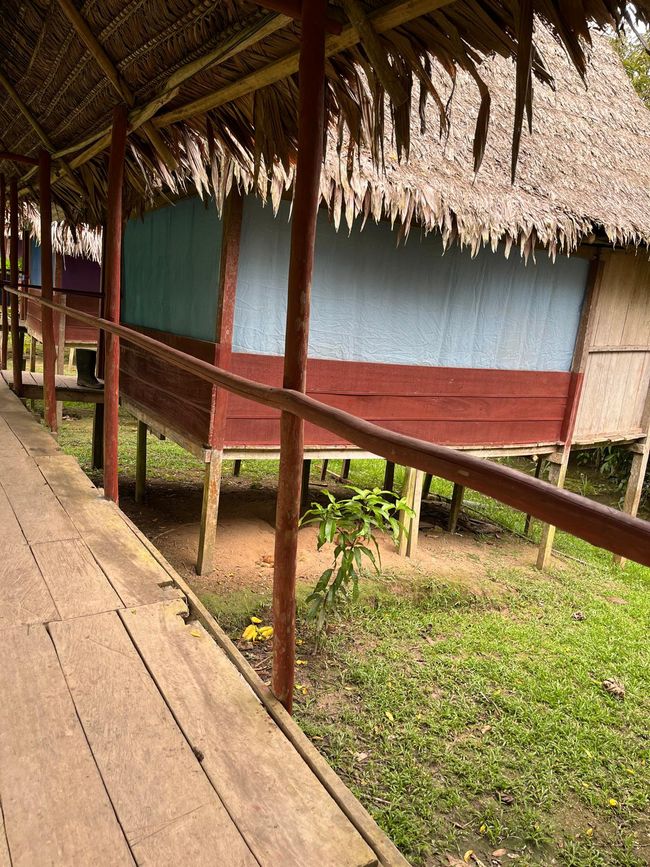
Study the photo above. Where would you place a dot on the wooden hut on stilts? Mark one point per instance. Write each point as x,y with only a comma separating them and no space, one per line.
238,96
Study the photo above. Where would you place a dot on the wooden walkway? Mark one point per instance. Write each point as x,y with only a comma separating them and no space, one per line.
127,733
66,388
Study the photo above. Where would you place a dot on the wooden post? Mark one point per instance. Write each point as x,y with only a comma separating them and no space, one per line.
26,274
412,493
304,486
560,463
47,316
227,293
97,446
538,470
60,331
3,272
311,127
426,486
640,454
113,263
345,470
456,505
141,462
389,476
323,472
236,468
16,360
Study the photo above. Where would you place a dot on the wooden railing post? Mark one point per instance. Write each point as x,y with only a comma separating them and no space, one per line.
311,74
16,359
3,272
47,316
113,263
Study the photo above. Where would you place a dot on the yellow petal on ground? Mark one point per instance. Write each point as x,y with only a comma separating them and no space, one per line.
467,856
255,620
589,832
390,716
613,802
195,632
250,633
265,632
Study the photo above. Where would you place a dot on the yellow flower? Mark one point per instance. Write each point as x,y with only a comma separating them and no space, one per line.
255,620
250,633
613,802
589,832
265,632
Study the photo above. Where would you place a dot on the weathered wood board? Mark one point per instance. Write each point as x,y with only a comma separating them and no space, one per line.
24,595
56,809
279,806
168,810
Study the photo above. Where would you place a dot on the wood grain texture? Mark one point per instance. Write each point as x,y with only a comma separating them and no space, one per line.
275,800
77,584
24,595
5,859
56,809
168,810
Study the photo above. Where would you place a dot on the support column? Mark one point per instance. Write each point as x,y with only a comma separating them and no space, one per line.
323,472
389,476
635,486
227,293
113,263
60,331
538,470
141,462
559,461
345,470
456,505
47,315
97,448
412,493
3,272
311,130
236,468
304,486
16,360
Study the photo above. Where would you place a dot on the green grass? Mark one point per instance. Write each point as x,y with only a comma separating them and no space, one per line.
473,718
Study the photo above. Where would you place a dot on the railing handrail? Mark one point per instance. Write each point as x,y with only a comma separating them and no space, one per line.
60,289
600,525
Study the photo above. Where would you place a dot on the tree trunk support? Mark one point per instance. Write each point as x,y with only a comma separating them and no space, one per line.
311,126
141,463
16,360
60,337
456,505
208,532
412,493
47,314
556,475
112,282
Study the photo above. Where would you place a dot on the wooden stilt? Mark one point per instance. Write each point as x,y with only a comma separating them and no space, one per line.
113,264
412,493
634,488
209,511
311,125
49,350
456,504
323,472
236,468
26,276
304,487
426,486
3,273
538,470
141,462
60,330
97,457
556,476
345,470
227,293
97,452
16,360
389,476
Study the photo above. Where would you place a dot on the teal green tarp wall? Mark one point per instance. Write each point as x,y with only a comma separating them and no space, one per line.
171,270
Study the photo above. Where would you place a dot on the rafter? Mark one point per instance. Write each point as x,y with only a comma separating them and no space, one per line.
38,129
121,88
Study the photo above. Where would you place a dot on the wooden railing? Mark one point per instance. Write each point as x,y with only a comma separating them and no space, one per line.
600,525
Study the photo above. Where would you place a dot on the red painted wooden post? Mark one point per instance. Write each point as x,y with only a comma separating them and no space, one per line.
16,359
3,271
49,351
112,265
311,118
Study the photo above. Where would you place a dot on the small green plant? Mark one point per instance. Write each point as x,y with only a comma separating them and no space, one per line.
350,525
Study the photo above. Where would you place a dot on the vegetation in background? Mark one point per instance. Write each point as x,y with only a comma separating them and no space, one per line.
636,61
350,525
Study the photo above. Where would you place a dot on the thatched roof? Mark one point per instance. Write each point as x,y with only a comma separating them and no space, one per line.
218,76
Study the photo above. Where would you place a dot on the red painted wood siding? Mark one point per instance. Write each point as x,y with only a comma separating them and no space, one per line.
452,406
75,332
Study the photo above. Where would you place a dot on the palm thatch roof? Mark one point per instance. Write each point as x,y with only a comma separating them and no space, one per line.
212,82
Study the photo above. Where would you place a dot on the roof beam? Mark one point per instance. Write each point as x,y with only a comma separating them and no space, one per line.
375,51
18,158
38,129
384,19
119,85
293,8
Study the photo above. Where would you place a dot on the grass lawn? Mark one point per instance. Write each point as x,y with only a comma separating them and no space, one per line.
472,715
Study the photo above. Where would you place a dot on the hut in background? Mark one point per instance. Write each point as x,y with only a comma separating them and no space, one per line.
452,336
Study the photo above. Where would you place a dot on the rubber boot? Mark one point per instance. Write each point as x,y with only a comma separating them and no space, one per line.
86,360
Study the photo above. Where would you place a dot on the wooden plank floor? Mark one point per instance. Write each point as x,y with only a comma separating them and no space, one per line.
127,736
66,388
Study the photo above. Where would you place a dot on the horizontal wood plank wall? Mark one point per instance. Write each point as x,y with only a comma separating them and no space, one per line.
180,401
618,363
75,332
454,406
